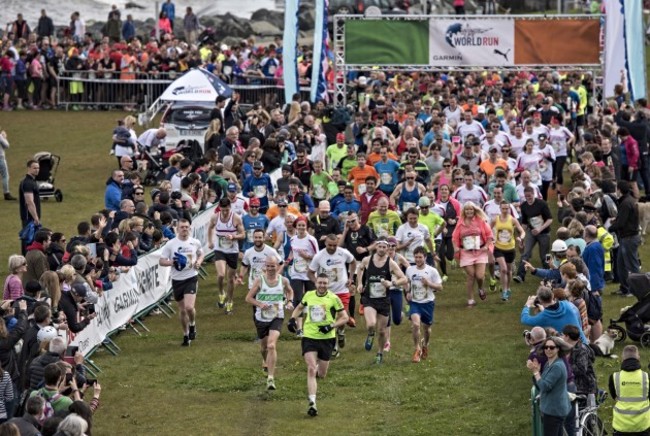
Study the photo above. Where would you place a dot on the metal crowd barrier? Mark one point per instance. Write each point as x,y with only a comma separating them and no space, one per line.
136,91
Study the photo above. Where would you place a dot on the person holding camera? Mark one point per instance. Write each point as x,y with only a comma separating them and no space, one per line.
58,383
184,253
324,314
70,305
552,313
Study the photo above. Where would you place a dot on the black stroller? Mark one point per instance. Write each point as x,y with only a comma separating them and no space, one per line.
636,317
49,164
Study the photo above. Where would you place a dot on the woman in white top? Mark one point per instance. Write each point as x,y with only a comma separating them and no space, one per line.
303,248
529,161
561,140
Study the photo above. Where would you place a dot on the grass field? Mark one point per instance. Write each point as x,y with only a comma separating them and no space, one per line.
475,382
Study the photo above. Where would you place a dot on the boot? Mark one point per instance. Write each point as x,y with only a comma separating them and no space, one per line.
10,197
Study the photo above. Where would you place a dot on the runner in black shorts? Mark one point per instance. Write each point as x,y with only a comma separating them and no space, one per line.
381,273
182,287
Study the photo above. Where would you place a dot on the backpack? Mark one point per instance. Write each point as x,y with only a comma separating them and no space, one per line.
48,408
610,206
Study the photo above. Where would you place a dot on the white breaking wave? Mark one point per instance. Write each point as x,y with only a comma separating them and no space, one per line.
97,10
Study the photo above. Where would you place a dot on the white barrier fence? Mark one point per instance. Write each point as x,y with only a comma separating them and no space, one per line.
134,292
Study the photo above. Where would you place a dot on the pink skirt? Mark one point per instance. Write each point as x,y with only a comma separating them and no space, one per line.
472,257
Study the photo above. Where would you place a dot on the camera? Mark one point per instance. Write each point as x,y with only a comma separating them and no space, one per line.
90,309
176,195
527,335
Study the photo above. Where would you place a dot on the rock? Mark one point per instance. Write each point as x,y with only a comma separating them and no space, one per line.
263,28
133,5
306,19
276,18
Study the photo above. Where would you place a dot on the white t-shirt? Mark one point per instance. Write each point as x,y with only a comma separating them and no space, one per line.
335,266
300,265
530,162
256,261
474,128
419,292
517,144
520,191
190,248
546,166
420,234
276,226
558,139
452,114
477,195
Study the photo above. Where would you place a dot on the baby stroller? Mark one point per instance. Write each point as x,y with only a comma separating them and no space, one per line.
155,168
636,317
49,164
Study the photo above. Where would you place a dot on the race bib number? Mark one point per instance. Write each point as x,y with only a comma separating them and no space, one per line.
270,313
249,235
260,191
472,242
333,275
406,206
362,188
556,146
504,236
382,229
536,222
377,290
300,265
386,178
419,291
225,242
534,176
317,313
320,191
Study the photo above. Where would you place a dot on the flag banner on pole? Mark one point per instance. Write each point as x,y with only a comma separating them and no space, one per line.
320,60
289,42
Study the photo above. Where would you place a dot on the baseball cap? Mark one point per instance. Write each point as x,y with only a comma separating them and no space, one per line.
542,136
258,165
284,133
363,80
232,187
47,333
558,246
494,147
424,202
340,136
254,202
392,240
282,202
80,289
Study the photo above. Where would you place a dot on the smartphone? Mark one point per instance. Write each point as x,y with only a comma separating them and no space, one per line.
92,247
549,259
561,197
91,381
69,354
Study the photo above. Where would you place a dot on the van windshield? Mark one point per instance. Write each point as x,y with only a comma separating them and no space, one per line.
185,116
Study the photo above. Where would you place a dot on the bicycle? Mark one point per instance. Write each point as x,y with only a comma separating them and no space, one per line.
586,420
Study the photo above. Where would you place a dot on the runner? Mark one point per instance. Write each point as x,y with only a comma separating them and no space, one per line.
252,221
228,229
412,234
186,256
395,294
252,264
268,293
374,292
319,337
332,260
303,249
504,226
423,281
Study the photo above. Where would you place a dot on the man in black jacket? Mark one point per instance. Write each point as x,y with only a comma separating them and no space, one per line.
37,368
223,111
28,424
69,305
626,226
324,224
640,131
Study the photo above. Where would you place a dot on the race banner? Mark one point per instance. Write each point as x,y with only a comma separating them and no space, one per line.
453,41
140,288
488,43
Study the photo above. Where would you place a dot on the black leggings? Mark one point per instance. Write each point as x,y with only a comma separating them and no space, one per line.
445,253
558,167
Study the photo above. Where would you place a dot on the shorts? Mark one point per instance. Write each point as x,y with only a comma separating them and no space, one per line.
509,255
345,300
595,307
187,286
323,347
473,257
424,310
381,305
231,258
263,328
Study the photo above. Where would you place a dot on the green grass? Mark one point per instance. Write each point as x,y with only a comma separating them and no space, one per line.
475,382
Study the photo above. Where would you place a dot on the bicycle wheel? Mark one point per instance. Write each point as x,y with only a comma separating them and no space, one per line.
591,425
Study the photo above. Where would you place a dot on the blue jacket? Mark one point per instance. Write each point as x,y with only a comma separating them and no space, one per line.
251,182
128,30
557,316
594,257
113,195
170,10
554,399
346,207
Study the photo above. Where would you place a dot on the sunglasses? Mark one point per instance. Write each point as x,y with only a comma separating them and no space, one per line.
446,166
550,347
281,205
459,179
410,178
139,193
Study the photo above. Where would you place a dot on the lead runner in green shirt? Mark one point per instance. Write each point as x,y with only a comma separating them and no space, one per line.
434,223
323,314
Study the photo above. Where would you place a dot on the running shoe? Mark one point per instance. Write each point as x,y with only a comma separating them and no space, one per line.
341,337
186,341
454,264
270,384
352,323
425,352
471,303
369,341
222,301
228,308
335,354
299,334
360,309
504,295
482,294
508,294
445,278
379,358
518,279
387,347
416,356
192,332
312,411
493,285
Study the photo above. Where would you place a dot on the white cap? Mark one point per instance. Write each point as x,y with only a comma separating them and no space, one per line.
559,246
47,333
363,80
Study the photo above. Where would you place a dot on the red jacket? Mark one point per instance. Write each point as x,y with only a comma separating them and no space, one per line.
368,206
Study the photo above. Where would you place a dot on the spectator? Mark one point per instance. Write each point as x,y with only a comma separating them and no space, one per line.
28,424
128,29
45,27
631,413
555,314
169,9
626,227
56,250
36,373
113,193
8,339
4,169
13,287
582,359
190,26
70,302
72,425
36,256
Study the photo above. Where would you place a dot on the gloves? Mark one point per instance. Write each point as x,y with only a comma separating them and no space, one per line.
325,329
180,261
292,326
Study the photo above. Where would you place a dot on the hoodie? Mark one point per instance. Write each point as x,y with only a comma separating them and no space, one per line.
113,195
556,315
630,365
37,262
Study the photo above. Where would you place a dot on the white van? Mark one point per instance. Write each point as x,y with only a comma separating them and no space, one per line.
186,121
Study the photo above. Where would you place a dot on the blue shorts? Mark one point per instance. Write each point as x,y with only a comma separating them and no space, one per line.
424,310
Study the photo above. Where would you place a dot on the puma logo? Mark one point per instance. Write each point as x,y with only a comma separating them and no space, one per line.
505,55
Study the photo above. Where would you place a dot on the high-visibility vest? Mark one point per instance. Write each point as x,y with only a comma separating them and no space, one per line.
632,409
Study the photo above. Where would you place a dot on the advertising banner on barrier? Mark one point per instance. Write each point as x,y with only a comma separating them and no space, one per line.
454,42
144,285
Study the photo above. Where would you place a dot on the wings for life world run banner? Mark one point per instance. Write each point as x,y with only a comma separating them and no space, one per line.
488,43
472,42
143,286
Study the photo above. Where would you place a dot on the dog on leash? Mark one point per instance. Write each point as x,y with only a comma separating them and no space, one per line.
604,345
